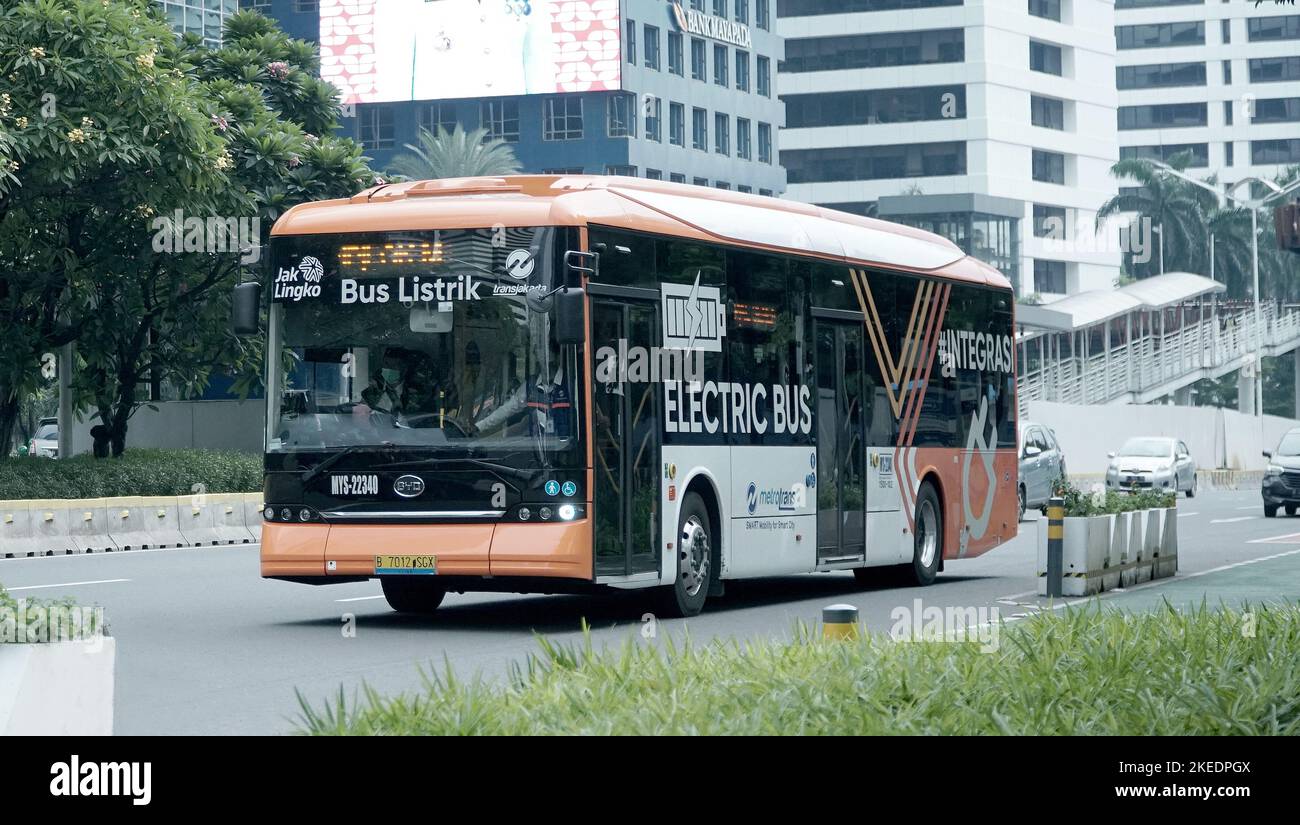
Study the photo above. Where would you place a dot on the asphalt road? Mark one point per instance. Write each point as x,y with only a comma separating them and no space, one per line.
205,646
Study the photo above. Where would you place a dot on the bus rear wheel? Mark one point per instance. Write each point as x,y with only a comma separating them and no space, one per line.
927,538
694,548
412,594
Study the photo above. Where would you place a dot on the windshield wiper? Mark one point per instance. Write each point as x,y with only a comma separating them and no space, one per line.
334,459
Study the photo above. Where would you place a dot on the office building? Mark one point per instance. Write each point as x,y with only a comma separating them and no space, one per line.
676,91
1218,79
992,122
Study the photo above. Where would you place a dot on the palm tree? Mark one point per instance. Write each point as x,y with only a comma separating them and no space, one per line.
456,154
1230,227
1176,209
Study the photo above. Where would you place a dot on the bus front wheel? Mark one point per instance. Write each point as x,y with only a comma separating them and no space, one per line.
412,594
694,559
927,537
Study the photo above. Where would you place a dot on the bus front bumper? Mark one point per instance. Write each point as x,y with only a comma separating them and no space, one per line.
347,551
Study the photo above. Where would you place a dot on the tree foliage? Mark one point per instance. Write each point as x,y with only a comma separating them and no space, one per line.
1195,232
455,154
110,127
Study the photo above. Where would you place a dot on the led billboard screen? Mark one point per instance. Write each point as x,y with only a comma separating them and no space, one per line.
381,51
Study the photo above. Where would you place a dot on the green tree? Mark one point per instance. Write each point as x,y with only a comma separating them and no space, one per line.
239,133
1173,206
93,132
455,154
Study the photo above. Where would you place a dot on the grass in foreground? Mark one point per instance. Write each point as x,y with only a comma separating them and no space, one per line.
1086,672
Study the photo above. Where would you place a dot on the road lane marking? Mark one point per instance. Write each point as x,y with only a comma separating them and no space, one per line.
360,599
1185,515
1277,539
1251,507
1230,520
64,584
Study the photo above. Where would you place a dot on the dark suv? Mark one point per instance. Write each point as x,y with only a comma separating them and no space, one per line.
1281,486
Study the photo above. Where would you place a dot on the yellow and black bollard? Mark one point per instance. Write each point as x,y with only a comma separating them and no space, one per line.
840,621
1055,542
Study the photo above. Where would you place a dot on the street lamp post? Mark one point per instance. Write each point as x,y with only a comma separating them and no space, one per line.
1254,205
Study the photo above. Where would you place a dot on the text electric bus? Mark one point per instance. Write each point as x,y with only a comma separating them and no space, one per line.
563,384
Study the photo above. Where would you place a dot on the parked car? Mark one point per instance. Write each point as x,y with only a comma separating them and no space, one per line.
1281,485
1150,462
45,442
1041,464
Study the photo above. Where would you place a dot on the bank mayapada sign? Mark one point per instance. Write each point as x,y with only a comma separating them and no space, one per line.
714,28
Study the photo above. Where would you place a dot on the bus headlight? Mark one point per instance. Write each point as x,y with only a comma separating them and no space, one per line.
545,513
568,512
524,514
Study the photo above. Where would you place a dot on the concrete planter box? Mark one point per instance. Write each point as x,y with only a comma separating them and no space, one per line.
1106,552
59,689
1166,559
1085,552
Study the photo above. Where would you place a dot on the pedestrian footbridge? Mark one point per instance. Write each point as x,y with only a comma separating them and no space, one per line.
1150,339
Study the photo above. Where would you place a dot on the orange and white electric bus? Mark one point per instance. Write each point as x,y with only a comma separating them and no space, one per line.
563,384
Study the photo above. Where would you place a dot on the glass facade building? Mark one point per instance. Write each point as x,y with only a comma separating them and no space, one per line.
202,17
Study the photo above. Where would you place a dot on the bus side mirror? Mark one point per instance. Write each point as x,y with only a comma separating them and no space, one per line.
246,308
569,312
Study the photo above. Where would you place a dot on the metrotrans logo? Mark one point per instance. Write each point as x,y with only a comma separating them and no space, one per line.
784,499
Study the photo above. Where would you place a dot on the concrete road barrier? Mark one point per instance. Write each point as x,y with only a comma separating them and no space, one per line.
229,521
89,526
162,521
16,538
48,527
195,514
50,530
128,523
253,516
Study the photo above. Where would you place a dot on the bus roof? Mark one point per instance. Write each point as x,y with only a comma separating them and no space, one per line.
643,205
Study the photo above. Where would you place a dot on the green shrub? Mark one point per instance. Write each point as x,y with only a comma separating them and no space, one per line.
1088,671
137,473
1084,503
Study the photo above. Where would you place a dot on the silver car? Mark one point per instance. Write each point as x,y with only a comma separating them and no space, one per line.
1152,463
45,442
1041,464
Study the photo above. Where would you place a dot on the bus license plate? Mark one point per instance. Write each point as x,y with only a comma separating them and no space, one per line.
406,565
354,484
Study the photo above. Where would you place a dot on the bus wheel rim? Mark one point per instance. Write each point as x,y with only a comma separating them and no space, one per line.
927,533
694,556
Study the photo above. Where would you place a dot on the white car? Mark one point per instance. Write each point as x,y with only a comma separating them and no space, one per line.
45,442
1152,463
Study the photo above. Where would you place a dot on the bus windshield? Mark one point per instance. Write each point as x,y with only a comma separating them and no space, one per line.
437,341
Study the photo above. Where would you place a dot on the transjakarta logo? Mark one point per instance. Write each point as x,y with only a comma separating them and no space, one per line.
961,349
519,264
783,499
302,281
77,778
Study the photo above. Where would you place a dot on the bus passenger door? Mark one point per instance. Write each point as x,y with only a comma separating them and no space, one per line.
841,456
627,435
